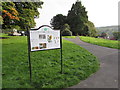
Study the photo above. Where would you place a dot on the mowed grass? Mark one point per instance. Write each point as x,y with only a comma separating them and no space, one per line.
4,35
78,64
69,36
101,42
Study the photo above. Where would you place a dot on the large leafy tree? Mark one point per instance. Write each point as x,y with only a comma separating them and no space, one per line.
91,29
58,21
27,12
9,14
77,17
24,13
78,20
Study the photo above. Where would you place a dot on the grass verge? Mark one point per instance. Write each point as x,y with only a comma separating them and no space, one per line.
4,35
69,36
101,42
78,64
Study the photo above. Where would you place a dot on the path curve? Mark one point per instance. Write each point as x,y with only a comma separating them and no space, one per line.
107,76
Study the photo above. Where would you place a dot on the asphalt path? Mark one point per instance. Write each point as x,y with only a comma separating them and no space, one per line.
107,75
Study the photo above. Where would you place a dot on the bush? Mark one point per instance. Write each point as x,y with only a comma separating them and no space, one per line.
116,35
66,30
66,33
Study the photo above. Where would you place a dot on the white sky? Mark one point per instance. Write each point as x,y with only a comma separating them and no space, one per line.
100,12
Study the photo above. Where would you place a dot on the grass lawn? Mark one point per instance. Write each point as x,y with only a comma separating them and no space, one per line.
101,42
69,36
78,64
4,35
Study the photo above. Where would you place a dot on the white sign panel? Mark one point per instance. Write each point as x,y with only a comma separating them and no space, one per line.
44,38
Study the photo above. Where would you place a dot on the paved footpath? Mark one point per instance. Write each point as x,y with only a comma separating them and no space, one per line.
107,75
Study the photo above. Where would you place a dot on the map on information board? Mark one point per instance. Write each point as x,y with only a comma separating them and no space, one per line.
44,38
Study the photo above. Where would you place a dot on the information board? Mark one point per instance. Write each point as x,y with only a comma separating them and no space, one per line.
44,38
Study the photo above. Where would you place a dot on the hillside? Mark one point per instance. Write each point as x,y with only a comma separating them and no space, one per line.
108,29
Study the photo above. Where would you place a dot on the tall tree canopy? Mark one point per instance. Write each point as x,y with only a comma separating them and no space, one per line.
77,19
20,14
58,21
9,14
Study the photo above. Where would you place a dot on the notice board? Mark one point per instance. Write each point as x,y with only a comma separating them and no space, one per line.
44,38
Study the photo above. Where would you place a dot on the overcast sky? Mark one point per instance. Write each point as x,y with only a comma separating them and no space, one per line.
100,12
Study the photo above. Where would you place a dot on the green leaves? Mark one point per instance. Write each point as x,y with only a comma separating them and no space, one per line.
66,30
78,20
116,35
58,21
27,11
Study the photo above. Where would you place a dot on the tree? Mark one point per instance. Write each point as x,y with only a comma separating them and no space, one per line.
9,14
24,13
66,30
58,21
66,26
78,20
27,12
91,30
116,35
1,19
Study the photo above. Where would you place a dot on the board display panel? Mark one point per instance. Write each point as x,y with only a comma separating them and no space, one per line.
44,38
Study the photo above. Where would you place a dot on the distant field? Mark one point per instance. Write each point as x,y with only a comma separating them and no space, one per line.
101,42
78,64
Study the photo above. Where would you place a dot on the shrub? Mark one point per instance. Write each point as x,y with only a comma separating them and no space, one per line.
66,30
116,35
66,33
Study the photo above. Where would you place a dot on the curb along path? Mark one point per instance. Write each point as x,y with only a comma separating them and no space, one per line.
107,76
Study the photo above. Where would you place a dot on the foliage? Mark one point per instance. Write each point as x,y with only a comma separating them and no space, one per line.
66,33
14,12
91,29
116,35
101,42
28,11
77,17
9,14
20,14
66,27
1,20
78,64
58,21
66,30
